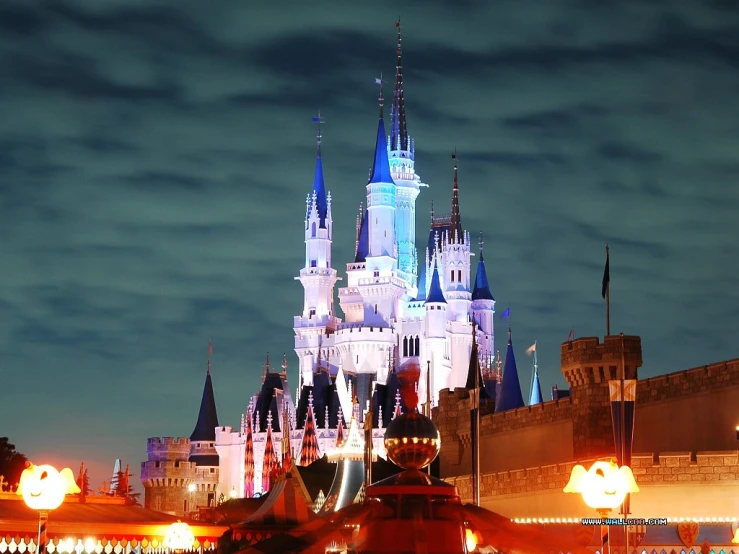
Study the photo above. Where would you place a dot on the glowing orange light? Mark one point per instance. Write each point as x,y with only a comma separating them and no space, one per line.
735,540
43,487
179,537
470,540
604,486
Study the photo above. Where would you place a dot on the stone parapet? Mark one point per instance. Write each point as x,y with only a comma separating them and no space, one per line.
688,382
587,361
668,468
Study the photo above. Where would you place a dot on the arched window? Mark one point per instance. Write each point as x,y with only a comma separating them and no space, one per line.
313,229
452,275
459,275
375,308
411,351
405,347
418,346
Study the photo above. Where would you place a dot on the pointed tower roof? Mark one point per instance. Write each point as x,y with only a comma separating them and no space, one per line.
536,397
249,456
381,166
363,239
269,461
455,226
510,397
398,129
319,187
435,294
205,428
481,291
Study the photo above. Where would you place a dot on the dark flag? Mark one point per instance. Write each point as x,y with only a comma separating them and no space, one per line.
606,277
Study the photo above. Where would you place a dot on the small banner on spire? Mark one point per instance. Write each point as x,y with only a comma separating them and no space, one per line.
210,348
606,275
531,349
571,335
506,313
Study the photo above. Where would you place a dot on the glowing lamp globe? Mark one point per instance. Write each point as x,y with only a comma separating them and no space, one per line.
604,486
43,487
179,537
412,441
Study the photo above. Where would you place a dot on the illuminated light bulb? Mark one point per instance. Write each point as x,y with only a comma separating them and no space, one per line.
425,441
90,545
405,440
415,440
470,540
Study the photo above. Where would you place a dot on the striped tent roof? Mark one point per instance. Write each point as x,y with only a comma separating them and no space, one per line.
249,456
269,462
287,504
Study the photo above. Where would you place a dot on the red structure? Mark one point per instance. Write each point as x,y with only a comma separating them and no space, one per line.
249,456
309,451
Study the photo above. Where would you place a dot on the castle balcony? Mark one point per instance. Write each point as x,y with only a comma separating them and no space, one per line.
369,281
317,271
354,333
317,321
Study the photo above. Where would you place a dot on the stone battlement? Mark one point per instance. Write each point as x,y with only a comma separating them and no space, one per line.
690,381
171,469
586,361
667,468
167,448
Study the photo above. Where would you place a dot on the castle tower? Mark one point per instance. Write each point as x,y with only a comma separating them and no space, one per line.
203,445
317,276
483,306
510,397
401,154
435,333
167,474
588,365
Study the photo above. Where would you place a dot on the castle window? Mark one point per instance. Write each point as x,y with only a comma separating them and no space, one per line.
177,464
452,275
459,275
211,499
405,347
212,470
410,347
418,346
313,230
185,506
311,313
314,263
377,273
375,308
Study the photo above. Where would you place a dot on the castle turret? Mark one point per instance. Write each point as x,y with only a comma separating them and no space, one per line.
317,276
401,153
483,306
510,397
167,475
203,441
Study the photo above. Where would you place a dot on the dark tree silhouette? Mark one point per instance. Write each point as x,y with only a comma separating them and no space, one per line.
12,463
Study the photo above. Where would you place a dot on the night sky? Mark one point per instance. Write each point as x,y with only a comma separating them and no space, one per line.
155,158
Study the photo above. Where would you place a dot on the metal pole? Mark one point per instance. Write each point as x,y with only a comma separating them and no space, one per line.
608,296
428,399
624,507
43,518
475,425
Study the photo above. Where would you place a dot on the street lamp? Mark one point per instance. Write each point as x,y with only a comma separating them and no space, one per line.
179,537
43,489
192,487
603,487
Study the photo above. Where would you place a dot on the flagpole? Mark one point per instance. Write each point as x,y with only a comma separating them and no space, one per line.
475,424
608,294
624,506
428,398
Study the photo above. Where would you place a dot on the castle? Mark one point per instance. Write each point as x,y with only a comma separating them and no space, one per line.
393,315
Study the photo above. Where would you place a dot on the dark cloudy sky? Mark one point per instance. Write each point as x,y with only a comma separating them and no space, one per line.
155,157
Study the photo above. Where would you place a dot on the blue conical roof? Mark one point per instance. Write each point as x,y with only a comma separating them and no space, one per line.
536,397
319,189
363,240
510,397
435,294
482,288
205,428
381,166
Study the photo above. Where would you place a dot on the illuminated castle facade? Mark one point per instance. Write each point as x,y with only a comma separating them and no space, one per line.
395,313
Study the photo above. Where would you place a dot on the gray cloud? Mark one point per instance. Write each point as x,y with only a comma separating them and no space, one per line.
154,161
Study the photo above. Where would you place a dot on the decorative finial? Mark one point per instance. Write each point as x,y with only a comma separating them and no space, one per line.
432,211
284,363
480,242
509,334
318,120
210,353
380,82
456,167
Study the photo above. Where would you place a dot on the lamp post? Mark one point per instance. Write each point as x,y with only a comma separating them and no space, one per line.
43,489
191,488
603,487
179,537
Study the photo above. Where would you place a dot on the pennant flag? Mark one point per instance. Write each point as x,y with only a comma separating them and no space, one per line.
571,335
531,349
378,80
210,348
606,276
507,313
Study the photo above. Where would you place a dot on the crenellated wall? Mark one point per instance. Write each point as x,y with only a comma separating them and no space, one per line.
686,411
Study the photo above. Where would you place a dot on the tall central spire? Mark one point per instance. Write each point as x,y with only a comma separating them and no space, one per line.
456,221
319,186
381,167
398,128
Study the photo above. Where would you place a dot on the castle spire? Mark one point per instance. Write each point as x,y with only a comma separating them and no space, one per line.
398,128
510,397
319,187
536,397
455,226
381,166
481,290
205,428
